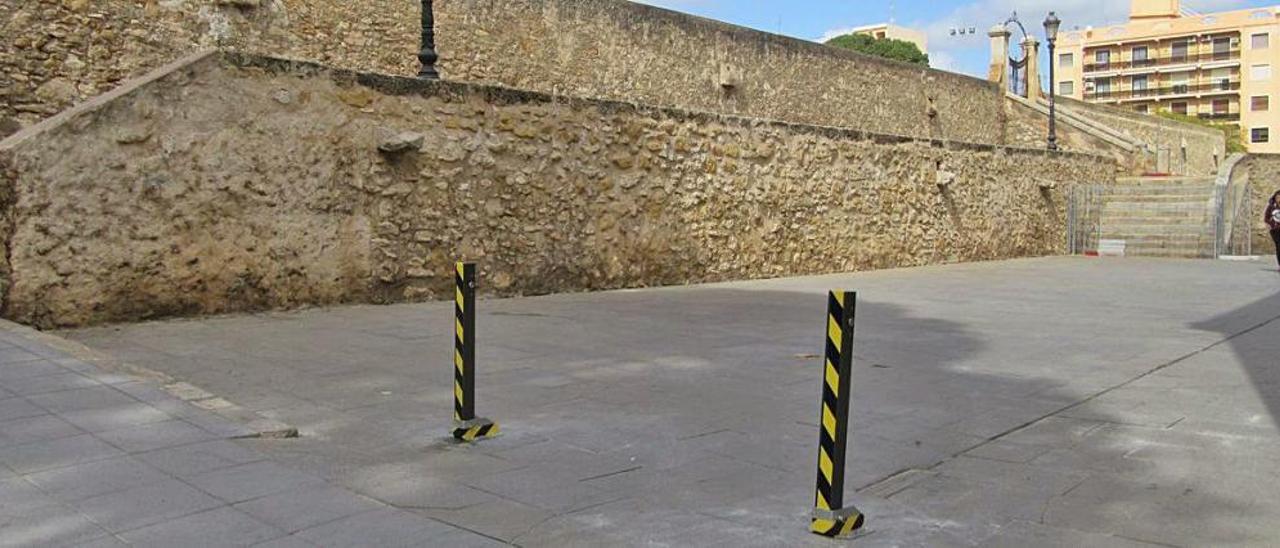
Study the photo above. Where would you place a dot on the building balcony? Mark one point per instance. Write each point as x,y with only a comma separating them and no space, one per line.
1158,62
1163,91
1220,116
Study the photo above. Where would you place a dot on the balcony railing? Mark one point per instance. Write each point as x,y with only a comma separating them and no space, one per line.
1220,116
1233,55
1176,89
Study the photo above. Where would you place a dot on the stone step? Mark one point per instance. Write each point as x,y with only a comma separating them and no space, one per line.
1155,181
1155,210
1161,219
1161,189
1156,239
1158,198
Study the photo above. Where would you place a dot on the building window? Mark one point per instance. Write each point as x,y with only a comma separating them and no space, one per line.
1140,83
1260,72
1260,103
1178,108
1103,86
1102,57
1066,88
1179,51
1221,106
1260,135
1066,60
1261,41
1221,49
1140,54
1142,108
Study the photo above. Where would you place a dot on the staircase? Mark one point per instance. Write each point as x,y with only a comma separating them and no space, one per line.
1160,216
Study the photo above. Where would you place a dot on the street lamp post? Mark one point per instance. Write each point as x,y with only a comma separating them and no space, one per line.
428,56
1051,25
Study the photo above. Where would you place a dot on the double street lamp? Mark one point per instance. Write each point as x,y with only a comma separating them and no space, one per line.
1051,24
427,56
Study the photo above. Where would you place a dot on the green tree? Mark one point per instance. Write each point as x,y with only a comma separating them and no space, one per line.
889,48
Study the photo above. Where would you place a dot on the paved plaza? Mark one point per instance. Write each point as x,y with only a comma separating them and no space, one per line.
1045,402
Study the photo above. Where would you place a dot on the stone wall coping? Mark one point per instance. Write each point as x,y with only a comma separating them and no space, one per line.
1135,117
400,86
763,38
100,101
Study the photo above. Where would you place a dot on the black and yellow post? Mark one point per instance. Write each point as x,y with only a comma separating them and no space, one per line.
466,426
831,518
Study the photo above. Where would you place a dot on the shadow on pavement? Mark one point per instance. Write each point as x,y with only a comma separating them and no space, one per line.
689,416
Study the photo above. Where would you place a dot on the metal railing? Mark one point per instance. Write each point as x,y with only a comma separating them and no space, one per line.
1176,89
1084,219
1186,59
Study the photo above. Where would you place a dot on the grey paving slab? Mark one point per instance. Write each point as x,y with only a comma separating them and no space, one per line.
49,454
285,542
250,481
49,383
197,458
117,417
294,510
18,496
84,399
1031,402
18,408
48,526
73,483
36,428
146,505
156,435
219,527
384,527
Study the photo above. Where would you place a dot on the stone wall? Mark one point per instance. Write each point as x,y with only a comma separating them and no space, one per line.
1206,147
621,50
239,183
1264,180
1029,128
69,50
60,52
66,51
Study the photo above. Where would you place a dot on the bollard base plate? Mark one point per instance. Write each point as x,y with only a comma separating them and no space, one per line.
841,523
475,429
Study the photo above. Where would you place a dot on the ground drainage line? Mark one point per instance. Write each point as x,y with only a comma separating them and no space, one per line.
1069,407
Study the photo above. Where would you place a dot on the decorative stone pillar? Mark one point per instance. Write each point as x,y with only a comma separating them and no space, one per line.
998,70
1031,47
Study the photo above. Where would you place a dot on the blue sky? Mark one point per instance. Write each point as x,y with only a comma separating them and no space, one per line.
814,19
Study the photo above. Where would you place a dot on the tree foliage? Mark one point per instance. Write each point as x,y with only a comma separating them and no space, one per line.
889,48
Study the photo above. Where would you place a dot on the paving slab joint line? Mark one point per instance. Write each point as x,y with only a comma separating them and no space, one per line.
257,426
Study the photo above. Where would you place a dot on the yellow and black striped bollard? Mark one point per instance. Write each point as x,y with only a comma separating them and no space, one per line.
466,426
831,518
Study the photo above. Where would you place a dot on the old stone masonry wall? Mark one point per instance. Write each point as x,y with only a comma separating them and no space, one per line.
241,183
634,52
56,53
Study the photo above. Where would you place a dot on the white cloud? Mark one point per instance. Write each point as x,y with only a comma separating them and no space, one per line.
943,60
834,33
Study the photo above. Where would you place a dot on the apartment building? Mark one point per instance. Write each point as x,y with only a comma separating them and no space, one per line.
1220,66
890,30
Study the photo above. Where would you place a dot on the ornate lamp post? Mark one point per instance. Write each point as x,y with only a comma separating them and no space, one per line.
428,55
1051,25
